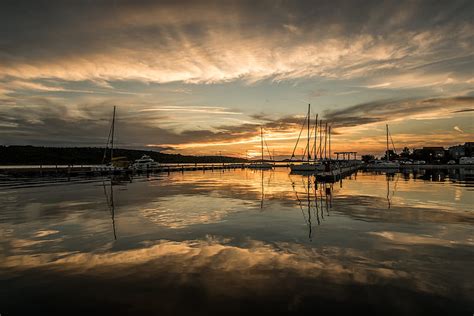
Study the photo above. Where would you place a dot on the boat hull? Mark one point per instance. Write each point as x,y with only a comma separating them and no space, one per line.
305,167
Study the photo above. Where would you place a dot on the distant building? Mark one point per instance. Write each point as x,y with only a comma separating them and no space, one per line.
469,149
457,151
434,152
429,154
417,153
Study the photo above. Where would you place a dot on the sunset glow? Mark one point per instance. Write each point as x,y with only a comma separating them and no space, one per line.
203,77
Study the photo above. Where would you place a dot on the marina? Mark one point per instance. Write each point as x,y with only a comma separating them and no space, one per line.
236,158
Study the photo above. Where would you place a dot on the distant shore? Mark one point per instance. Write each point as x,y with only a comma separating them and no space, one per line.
36,155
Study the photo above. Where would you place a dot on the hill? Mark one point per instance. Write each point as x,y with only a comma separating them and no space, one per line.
36,155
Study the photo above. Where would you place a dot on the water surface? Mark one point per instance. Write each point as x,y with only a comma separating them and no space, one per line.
239,241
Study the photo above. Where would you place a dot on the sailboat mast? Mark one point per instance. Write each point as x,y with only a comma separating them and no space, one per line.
329,143
112,139
261,138
315,138
387,143
307,146
325,140
320,139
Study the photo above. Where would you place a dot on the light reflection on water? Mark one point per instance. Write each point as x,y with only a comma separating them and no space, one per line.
234,241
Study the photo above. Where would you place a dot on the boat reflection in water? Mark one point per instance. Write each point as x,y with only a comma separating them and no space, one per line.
108,185
237,242
314,201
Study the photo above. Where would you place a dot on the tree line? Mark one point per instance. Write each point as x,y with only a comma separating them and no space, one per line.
37,155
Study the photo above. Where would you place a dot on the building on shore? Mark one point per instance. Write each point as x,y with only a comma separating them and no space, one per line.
459,151
469,149
429,154
456,152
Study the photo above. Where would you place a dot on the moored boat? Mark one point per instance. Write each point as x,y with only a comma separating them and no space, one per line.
387,164
145,162
261,164
310,165
115,163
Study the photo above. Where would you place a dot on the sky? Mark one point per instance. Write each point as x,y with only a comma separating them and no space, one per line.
202,77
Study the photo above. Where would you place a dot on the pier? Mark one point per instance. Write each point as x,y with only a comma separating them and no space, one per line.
90,171
336,170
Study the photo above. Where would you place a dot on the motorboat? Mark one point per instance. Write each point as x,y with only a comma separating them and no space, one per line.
145,162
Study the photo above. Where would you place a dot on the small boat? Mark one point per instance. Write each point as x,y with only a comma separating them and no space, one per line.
145,162
387,164
261,164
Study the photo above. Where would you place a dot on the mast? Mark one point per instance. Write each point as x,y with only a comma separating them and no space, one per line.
309,113
261,138
112,139
320,139
315,138
329,143
325,140
387,143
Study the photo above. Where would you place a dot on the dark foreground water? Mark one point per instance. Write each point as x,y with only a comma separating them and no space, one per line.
237,242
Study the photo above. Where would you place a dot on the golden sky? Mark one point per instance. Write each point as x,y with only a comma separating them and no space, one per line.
201,77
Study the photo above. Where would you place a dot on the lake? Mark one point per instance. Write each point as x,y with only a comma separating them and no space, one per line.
239,241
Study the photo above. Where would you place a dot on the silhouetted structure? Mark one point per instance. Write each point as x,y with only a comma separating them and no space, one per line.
457,151
429,154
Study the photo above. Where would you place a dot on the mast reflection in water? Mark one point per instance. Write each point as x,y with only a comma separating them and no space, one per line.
239,241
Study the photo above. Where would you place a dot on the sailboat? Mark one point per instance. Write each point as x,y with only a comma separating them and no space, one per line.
115,163
308,166
262,164
387,164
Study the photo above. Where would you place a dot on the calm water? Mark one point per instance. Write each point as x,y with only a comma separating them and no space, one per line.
239,241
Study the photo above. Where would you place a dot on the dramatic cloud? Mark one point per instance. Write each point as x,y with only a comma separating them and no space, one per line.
196,76
50,122
222,41
379,111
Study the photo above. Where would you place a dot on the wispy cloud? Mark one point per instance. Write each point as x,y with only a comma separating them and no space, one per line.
392,110
191,109
199,43
458,129
159,61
